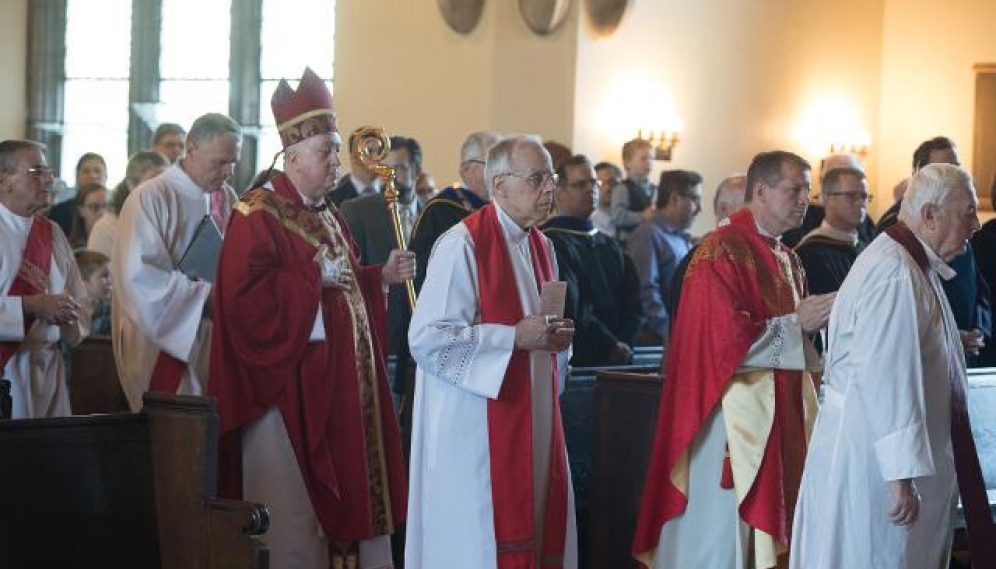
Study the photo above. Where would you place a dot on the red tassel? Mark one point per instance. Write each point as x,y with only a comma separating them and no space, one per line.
726,480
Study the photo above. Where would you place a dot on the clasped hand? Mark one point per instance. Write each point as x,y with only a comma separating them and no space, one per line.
972,340
336,273
813,311
544,334
400,267
57,309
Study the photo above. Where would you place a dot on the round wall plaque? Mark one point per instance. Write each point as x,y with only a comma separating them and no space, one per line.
461,15
605,15
543,16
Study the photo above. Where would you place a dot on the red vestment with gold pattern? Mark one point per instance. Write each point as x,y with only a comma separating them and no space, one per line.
332,394
737,280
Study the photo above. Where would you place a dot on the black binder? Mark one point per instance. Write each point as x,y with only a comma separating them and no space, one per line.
200,260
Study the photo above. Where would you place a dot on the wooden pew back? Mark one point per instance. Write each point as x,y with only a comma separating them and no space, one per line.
123,490
93,379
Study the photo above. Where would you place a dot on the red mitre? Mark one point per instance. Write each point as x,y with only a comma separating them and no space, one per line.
305,112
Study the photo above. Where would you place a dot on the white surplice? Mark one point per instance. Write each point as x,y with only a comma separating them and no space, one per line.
155,306
103,234
886,416
461,365
37,370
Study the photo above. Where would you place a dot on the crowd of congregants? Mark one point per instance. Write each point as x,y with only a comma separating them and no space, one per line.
814,365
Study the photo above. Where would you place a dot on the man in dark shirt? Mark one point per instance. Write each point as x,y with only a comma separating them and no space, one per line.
828,251
360,181
967,292
602,287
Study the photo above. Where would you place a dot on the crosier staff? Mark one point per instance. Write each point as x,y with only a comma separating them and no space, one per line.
372,146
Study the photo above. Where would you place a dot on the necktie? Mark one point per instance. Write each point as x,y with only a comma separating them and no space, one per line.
218,209
406,222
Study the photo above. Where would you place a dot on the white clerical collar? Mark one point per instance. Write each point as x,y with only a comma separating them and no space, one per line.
512,230
943,269
761,230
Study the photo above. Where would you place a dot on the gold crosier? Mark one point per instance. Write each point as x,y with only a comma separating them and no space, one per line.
372,146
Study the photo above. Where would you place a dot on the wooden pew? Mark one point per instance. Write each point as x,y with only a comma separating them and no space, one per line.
625,411
579,413
93,379
624,405
982,411
123,491
648,356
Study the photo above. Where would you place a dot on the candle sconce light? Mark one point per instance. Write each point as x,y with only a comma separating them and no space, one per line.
662,143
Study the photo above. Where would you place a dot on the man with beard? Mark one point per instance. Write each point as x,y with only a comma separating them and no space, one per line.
370,223
737,403
306,421
659,244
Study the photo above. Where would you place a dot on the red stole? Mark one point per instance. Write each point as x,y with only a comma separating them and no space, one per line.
32,277
733,285
971,486
167,373
510,415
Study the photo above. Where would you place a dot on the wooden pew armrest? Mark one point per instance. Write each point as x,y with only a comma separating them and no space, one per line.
235,527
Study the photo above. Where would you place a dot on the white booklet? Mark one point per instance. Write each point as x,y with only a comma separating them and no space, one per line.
200,260
553,297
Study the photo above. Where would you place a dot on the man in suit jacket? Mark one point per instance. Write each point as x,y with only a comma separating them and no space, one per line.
359,182
370,224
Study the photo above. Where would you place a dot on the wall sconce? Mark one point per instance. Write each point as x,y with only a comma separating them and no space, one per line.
661,143
846,148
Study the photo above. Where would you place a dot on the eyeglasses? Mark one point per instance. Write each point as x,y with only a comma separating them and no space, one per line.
584,184
40,172
96,207
854,196
537,180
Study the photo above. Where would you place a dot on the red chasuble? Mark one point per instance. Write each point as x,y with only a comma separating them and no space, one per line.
332,394
32,276
734,283
510,437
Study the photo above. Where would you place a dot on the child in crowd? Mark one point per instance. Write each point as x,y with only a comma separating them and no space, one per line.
96,273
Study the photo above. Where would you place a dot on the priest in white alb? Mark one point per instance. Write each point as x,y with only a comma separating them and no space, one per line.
159,318
879,487
489,484
41,286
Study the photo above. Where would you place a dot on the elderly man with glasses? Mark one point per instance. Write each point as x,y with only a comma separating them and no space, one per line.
828,251
489,479
40,284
